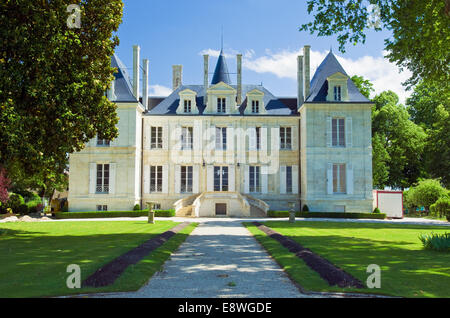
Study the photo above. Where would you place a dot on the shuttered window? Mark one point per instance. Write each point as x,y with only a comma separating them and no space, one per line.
255,179
156,141
186,179
220,178
102,185
288,179
339,178
221,138
338,132
156,178
285,138
187,138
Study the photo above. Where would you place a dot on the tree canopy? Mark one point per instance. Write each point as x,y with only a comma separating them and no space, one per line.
53,79
420,40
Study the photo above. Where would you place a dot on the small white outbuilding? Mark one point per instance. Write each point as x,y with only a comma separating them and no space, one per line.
389,202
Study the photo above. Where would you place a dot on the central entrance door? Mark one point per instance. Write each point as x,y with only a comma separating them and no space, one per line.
221,209
220,178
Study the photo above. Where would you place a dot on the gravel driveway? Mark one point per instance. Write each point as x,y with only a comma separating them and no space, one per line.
219,259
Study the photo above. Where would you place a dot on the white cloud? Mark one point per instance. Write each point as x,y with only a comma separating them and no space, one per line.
159,90
383,74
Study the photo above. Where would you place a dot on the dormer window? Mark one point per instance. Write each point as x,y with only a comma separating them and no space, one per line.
337,93
187,105
255,106
103,142
221,105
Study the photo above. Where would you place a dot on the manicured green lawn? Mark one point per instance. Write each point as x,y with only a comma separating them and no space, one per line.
406,269
34,256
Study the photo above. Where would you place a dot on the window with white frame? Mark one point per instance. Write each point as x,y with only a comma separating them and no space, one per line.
258,138
186,179
220,178
221,138
288,179
187,138
255,179
102,178
102,208
338,132
221,105
156,141
156,178
187,105
285,138
337,93
339,179
103,142
255,106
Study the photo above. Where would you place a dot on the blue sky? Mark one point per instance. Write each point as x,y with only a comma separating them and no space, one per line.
264,31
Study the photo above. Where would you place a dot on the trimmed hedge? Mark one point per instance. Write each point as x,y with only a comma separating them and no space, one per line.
338,215
111,214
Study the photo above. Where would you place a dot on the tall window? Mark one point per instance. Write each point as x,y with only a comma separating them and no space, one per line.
285,138
156,178
258,138
220,178
187,138
338,132
156,139
255,179
221,105
103,142
288,179
186,179
255,106
102,178
221,138
337,93
339,182
187,105
102,208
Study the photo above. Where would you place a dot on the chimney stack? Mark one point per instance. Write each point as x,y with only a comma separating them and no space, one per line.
145,85
239,80
177,76
306,67
205,75
300,97
136,59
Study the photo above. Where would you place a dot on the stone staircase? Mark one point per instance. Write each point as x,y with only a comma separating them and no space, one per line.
184,206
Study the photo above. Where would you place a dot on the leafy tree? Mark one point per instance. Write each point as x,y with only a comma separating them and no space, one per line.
437,150
53,80
425,99
403,140
420,31
380,161
364,86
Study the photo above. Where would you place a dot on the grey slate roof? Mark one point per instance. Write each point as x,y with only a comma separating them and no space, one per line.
319,83
221,72
123,88
169,105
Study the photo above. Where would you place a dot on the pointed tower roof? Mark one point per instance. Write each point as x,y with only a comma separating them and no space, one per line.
123,88
319,84
221,72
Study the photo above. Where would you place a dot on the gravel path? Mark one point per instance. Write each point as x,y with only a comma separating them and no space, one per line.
219,259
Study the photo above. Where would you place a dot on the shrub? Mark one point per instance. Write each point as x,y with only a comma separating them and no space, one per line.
305,208
376,210
111,214
441,208
137,207
338,215
15,200
23,209
436,242
426,193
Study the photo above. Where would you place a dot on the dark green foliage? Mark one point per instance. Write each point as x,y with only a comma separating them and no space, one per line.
441,208
137,207
22,209
338,215
15,200
376,210
436,242
305,208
